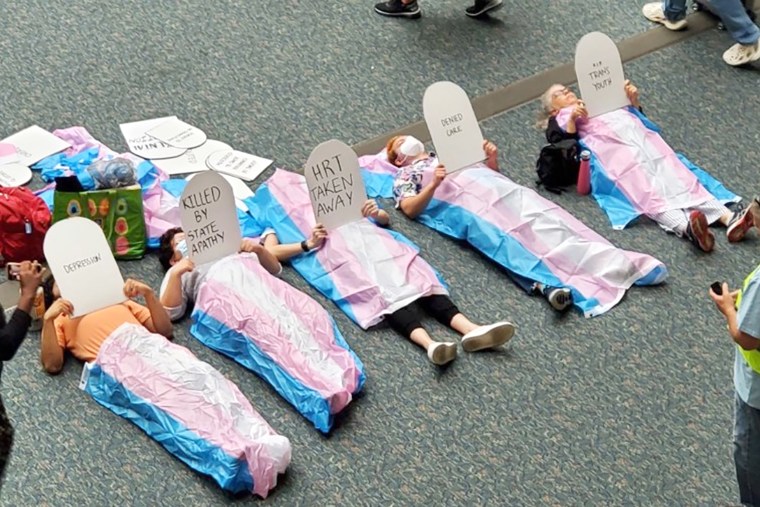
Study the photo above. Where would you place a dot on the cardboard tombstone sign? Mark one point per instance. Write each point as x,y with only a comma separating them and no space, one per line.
209,218
453,126
599,71
32,145
179,134
238,164
336,187
143,144
14,175
81,261
192,161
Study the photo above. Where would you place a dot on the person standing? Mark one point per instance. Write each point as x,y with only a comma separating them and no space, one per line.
741,309
410,8
12,334
672,14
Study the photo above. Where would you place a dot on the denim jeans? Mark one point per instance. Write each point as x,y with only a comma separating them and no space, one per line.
731,12
747,451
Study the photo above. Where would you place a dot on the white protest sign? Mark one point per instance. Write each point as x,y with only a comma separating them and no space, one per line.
33,144
240,190
209,218
14,175
192,161
336,187
143,145
179,134
8,154
84,267
453,126
236,163
600,74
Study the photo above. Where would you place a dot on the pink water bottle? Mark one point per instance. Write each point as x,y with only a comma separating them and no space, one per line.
584,173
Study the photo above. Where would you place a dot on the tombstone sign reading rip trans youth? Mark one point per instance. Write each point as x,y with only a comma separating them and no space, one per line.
453,126
600,74
83,266
209,218
336,187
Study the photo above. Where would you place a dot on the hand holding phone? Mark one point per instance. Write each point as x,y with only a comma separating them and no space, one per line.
717,288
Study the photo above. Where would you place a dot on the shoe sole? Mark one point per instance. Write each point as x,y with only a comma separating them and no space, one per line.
444,355
561,302
486,10
738,230
411,15
490,339
700,228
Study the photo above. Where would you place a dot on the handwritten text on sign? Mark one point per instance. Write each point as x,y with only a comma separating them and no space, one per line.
453,126
209,218
335,185
600,74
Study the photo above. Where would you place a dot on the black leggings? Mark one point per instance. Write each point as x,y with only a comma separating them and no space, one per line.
407,319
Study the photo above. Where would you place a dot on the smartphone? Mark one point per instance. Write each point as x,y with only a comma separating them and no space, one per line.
717,288
14,268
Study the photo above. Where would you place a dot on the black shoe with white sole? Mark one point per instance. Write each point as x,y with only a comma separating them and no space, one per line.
398,9
483,6
560,298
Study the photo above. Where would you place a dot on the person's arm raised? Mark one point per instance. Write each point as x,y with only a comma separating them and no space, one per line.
413,206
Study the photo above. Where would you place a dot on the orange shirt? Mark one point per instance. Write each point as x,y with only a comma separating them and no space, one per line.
84,335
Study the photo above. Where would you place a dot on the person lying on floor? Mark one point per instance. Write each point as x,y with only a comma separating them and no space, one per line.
185,404
377,275
635,172
543,248
243,310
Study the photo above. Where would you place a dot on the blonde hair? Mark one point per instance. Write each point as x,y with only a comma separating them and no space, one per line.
546,108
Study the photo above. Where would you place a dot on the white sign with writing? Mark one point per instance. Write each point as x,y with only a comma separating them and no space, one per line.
8,154
599,70
192,161
240,190
453,126
35,143
209,218
14,175
236,163
144,145
179,134
85,269
336,187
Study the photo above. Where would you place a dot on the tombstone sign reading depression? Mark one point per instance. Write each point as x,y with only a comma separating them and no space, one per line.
336,187
453,126
599,70
83,266
209,218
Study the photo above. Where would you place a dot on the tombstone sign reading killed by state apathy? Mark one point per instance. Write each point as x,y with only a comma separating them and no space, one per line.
453,126
335,184
600,74
85,269
209,218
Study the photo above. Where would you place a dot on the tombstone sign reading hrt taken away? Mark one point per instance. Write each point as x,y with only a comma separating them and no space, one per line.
453,126
209,218
599,70
336,187
81,261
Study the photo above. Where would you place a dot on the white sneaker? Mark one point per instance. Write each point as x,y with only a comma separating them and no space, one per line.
742,54
488,337
441,353
655,12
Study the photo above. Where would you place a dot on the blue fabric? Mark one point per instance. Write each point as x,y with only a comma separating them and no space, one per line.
268,212
377,185
746,380
619,209
229,472
237,346
733,14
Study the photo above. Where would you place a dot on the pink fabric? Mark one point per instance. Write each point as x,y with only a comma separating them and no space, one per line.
272,330
346,264
140,374
639,162
378,164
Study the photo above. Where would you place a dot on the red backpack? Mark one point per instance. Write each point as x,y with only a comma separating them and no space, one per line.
24,220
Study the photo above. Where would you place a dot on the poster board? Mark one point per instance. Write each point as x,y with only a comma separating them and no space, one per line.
235,163
599,71
33,144
192,161
179,134
143,144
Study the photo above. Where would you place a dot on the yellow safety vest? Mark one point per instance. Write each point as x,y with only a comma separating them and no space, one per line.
751,356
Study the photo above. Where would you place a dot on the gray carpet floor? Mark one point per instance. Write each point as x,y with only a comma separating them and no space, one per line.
631,408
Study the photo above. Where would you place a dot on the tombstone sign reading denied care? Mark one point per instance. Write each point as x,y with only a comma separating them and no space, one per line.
336,187
85,269
209,218
600,74
453,126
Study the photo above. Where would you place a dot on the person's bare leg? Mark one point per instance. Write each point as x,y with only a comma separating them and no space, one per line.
462,324
421,338
439,353
725,218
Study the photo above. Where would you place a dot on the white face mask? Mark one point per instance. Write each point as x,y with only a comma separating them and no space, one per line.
182,247
411,148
